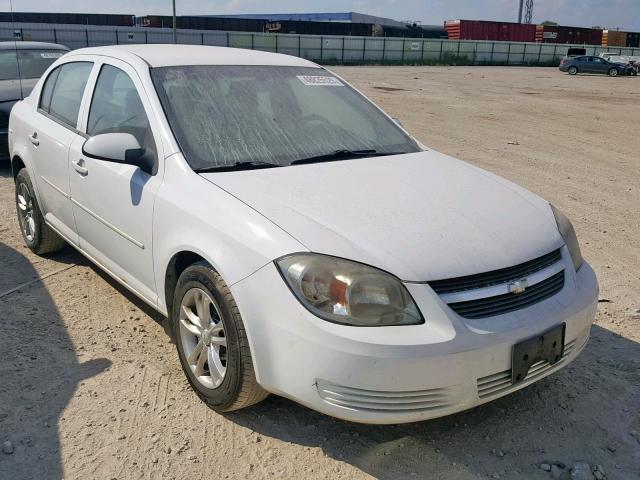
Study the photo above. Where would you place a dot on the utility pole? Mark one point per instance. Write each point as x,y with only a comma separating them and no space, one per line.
520,11
525,6
175,33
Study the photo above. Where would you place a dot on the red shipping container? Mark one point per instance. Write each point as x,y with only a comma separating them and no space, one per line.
575,35
486,30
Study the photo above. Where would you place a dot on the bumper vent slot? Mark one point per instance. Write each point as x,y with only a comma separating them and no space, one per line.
384,401
500,304
495,277
499,383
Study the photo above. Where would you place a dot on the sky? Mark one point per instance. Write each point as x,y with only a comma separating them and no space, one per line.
623,14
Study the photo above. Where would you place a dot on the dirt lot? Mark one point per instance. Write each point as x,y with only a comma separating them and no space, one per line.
91,387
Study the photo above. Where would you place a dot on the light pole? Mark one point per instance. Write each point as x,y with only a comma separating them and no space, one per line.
175,34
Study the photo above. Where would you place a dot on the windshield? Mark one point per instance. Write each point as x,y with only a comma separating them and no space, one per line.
33,63
228,115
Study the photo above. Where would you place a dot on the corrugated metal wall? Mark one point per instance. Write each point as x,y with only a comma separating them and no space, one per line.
322,49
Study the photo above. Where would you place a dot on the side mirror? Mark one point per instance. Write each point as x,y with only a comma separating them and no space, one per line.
120,148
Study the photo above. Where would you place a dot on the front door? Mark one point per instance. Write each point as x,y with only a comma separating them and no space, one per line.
113,203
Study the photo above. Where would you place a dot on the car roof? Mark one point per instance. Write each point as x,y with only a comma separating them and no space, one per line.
163,55
20,45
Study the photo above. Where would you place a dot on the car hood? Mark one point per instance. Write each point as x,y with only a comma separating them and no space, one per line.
15,89
421,216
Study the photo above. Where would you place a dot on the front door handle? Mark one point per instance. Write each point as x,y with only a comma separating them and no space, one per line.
34,139
78,167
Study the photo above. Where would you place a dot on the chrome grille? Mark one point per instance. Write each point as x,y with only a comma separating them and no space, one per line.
503,275
500,304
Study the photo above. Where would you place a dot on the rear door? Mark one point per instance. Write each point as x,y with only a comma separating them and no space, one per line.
53,130
113,203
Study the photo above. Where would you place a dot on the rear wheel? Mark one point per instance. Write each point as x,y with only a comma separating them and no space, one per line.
212,342
572,70
37,235
613,72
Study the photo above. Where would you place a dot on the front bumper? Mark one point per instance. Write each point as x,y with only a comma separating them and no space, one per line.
406,373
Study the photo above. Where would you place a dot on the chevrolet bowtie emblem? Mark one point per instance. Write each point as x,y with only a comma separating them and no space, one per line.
518,286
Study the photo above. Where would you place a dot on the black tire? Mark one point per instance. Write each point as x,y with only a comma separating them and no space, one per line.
613,72
573,70
43,239
239,388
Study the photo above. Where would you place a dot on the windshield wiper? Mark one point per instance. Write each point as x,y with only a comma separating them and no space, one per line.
343,155
250,165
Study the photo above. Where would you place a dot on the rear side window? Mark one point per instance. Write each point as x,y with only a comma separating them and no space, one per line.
62,99
47,90
116,107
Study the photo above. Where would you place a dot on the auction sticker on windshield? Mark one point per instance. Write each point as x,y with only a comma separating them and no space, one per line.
315,80
51,55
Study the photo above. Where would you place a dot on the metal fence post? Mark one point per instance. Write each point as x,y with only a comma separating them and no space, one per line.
299,51
364,49
440,57
509,54
86,35
321,46
458,54
524,53
540,53
422,52
201,38
555,51
404,47
493,47
384,48
228,44
55,35
276,42
342,50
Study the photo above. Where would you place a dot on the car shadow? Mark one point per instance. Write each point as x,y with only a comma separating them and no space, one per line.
39,373
554,420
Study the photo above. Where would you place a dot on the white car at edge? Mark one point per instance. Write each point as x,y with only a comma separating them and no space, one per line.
300,241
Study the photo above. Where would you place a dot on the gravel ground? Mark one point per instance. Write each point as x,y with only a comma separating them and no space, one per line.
91,387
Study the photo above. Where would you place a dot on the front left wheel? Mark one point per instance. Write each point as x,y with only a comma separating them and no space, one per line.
212,342
613,72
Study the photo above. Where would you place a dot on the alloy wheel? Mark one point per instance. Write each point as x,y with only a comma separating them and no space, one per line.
25,210
202,335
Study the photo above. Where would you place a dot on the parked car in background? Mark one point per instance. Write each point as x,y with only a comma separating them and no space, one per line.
21,64
301,242
592,64
617,58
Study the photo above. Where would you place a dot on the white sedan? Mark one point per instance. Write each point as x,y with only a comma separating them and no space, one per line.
300,241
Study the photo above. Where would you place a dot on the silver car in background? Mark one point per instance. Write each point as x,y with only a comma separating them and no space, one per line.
21,65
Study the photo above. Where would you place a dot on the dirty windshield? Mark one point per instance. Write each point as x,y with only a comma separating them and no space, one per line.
232,115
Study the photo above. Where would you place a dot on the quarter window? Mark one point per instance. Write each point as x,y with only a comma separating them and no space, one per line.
63,97
116,107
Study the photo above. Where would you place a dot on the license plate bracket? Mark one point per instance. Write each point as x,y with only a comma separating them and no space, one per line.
547,346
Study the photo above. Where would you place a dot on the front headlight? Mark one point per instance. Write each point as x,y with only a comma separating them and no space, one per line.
346,292
569,236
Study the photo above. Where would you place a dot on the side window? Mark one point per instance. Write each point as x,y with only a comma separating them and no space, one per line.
47,90
8,65
68,91
116,107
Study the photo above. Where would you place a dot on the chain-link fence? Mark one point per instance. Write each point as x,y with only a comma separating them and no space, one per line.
321,49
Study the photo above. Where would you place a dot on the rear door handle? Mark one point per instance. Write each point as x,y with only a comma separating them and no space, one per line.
34,139
78,167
